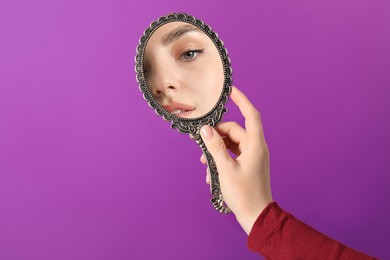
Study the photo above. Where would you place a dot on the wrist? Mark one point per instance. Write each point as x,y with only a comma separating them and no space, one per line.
248,219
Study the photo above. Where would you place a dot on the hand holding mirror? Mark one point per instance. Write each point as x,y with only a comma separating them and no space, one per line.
184,73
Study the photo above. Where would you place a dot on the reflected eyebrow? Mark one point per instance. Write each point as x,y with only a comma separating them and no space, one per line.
177,33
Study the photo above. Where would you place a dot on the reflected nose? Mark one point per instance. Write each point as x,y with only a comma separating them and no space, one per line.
163,90
164,82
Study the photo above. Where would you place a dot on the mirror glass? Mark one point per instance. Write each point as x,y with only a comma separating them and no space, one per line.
183,70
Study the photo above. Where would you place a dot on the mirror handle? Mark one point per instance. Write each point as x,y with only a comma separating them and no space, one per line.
215,188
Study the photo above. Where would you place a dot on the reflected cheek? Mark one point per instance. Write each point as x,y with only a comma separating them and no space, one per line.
151,85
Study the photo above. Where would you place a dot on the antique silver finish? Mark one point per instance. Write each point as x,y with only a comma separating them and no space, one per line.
215,187
190,125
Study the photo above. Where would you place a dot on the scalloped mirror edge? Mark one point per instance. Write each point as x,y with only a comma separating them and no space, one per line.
185,125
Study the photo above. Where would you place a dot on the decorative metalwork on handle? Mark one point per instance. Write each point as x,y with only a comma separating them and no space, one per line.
215,187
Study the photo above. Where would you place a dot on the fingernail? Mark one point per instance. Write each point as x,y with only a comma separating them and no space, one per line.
207,132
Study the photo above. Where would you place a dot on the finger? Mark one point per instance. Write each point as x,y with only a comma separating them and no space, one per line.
232,130
203,159
208,176
233,134
233,147
227,142
230,145
250,113
216,146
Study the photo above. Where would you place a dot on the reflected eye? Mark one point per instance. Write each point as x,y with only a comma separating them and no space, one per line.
191,54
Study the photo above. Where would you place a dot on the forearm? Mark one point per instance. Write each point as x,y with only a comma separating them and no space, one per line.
277,234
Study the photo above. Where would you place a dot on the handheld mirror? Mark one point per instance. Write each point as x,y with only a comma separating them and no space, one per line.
184,73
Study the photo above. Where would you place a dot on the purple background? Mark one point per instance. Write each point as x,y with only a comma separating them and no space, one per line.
88,171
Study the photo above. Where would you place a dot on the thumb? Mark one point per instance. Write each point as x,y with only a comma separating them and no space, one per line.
216,146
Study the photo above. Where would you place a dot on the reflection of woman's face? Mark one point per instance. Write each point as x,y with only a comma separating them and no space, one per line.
183,69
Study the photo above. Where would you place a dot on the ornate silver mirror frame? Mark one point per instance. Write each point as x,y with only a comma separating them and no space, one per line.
190,125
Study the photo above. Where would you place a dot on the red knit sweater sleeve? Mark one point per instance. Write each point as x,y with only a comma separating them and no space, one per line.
277,234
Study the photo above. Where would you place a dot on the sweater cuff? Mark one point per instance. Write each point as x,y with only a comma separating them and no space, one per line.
263,226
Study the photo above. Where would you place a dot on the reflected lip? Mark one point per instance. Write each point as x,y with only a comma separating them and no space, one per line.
178,109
